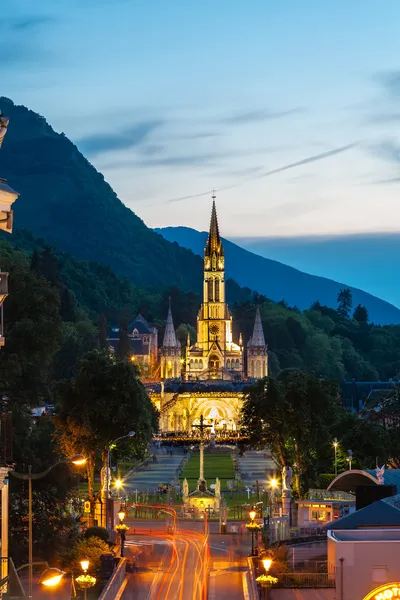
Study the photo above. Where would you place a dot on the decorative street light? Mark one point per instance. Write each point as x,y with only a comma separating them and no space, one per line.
254,527
335,445
350,458
265,581
110,447
122,529
77,460
85,581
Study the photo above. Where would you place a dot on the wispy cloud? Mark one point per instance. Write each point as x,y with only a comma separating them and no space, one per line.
388,150
256,116
130,137
299,163
390,81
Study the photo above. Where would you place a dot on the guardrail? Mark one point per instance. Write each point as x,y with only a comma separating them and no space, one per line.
305,580
252,587
116,582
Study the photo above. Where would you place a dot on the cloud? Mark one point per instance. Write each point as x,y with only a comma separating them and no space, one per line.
390,81
257,116
388,150
94,145
300,163
29,22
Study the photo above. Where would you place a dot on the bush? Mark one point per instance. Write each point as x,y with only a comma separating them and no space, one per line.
91,548
99,532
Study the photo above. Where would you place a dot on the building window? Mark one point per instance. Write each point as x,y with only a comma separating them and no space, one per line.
210,284
135,333
228,364
200,364
217,290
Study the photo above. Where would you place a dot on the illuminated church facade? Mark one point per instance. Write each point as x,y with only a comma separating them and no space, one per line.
206,377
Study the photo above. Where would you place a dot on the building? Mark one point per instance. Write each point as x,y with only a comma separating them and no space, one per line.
207,377
320,507
363,552
143,341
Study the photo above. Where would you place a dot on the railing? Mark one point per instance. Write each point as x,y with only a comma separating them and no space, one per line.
116,582
305,580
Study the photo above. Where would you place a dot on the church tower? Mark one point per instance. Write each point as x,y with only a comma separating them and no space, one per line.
215,355
257,351
170,351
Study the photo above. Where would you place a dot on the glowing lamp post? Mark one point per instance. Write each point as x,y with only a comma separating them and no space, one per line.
266,580
122,529
85,581
77,460
335,445
254,528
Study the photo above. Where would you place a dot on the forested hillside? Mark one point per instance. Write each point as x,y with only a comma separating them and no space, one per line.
341,344
64,200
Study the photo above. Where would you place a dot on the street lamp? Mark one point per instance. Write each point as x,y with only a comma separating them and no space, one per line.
252,515
110,447
121,517
267,562
273,484
85,581
77,460
335,445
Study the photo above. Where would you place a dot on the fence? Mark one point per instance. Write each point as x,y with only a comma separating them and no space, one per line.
305,580
116,583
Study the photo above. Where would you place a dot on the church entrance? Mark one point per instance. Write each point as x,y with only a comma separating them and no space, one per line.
214,362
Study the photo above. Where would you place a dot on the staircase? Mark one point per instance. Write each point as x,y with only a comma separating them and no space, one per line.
256,465
150,474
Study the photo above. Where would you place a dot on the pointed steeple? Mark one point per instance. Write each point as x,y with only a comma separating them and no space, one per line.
257,339
170,340
214,243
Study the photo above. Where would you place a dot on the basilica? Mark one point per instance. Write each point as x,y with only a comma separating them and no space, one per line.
206,377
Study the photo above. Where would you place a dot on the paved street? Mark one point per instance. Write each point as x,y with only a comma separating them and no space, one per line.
171,567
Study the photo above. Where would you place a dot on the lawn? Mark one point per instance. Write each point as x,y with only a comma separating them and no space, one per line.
215,465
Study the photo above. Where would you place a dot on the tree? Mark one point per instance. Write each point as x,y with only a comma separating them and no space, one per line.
291,414
361,314
103,402
103,343
124,345
345,301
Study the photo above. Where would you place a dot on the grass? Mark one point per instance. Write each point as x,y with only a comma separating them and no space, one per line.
215,465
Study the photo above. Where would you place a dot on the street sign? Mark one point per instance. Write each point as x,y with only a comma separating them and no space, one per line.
86,507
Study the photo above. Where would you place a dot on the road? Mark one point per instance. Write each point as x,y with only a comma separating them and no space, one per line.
185,565
169,566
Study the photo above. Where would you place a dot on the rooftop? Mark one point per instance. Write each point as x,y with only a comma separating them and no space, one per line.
381,514
366,535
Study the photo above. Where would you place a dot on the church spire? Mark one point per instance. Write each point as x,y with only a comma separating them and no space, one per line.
257,339
214,244
169,335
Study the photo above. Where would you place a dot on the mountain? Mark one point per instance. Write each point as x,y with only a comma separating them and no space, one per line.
64,200
281,282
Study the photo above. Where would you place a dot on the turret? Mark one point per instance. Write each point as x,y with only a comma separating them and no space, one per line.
170,351
257,351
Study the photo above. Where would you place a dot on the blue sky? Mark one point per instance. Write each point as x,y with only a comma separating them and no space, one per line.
290,109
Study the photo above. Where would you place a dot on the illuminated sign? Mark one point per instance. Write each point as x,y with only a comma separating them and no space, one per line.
385,592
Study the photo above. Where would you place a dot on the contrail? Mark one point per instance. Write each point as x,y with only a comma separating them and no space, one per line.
299,163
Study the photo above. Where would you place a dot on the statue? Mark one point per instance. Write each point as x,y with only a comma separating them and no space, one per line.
217,488
185,488
287,477
380,474
103,479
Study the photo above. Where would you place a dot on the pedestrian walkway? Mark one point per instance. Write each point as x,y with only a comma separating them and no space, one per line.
256,466
151,474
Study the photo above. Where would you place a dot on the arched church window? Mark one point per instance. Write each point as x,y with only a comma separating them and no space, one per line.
200,364
210,284
217,290
237,363
135,333
196,364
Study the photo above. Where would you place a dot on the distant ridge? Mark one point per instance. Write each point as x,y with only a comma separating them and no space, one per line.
281,282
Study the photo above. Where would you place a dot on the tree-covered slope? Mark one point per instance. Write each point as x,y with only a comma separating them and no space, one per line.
281,282
67,202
